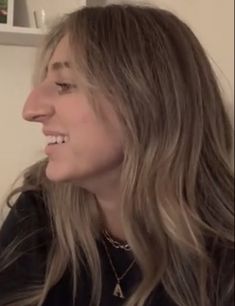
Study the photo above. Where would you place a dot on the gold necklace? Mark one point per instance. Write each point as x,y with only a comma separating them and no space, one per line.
116,244
118,289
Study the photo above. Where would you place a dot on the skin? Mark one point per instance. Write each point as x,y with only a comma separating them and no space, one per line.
93,155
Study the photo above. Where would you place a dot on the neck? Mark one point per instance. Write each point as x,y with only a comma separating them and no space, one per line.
111,211
107,191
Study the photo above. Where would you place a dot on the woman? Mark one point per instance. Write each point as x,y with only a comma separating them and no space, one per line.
134,203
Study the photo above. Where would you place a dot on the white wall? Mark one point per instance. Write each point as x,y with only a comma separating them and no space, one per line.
21,142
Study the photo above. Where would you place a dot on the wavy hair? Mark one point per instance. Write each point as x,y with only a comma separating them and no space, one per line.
177,178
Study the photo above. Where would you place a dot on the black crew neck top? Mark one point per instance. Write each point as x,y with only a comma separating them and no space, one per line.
28,217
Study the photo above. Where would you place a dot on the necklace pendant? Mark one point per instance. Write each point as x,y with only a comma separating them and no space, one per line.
118,292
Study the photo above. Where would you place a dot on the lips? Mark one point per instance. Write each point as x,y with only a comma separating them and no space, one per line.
55,139
53,133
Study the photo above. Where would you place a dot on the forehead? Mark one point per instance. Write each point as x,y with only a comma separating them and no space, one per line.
61,55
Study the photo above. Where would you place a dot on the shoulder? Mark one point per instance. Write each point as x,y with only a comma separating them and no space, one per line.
29,202
28,215
24,244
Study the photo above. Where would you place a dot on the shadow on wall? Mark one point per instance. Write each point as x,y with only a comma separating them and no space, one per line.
21,15
96,2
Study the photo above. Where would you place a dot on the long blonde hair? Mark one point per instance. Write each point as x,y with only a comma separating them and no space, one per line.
177,179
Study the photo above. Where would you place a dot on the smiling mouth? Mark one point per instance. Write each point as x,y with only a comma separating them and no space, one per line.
57,140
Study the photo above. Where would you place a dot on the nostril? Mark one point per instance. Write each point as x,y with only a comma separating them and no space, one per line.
31,116
36,118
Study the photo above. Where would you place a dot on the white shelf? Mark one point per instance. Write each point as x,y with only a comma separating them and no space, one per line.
20,36
26,36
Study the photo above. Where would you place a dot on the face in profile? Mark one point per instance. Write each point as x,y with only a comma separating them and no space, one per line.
82,145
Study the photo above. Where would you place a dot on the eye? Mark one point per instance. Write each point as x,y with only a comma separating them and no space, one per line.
65,87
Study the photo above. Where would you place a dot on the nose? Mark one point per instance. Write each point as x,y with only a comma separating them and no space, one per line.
37,107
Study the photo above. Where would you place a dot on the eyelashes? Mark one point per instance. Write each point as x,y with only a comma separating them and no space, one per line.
64,87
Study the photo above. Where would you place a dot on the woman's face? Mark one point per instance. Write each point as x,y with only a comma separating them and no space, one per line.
81,145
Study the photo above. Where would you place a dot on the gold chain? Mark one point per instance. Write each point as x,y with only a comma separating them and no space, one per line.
115,243
117,290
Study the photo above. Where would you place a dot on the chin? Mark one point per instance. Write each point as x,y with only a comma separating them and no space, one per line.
57,173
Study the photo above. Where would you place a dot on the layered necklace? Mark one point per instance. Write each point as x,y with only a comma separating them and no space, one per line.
118,291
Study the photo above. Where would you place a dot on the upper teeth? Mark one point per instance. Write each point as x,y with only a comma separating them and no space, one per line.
57,139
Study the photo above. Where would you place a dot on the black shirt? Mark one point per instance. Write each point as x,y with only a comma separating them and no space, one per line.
29,217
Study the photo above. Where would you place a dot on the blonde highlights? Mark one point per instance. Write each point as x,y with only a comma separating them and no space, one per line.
177,180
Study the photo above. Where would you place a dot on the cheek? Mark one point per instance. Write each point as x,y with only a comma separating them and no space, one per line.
95,146
74,114
91,133
93,138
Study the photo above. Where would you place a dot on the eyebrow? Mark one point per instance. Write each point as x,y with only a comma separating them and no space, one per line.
56,66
